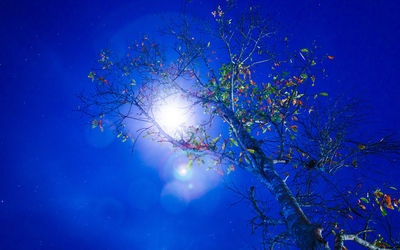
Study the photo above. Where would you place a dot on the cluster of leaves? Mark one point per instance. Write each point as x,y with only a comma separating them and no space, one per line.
381,200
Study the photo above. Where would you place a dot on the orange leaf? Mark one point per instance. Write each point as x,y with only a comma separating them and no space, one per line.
100,125
388,199
390,206
331,57
351,217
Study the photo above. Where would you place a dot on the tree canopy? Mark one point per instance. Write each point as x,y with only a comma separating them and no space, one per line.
254,104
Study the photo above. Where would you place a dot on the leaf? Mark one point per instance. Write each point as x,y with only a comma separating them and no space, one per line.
304,50
390,206
351,217
364,199
223,146
251,150
363,207
388,199
331,57
190,164
378,193
383,211
231,168
215,140
393,188
323,94
91,75
233,141
208,44
361,147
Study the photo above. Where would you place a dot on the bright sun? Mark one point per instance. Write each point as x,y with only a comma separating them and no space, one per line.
171,115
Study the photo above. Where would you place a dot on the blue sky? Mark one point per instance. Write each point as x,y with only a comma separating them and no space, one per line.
63,185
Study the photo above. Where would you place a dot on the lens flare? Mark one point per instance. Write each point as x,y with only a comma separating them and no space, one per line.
182,173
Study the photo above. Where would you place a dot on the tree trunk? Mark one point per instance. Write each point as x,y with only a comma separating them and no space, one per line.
307,236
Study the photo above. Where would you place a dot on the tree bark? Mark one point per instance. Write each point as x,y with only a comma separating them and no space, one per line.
341,237
307,236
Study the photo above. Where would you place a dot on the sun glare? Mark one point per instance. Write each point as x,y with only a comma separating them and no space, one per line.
171,116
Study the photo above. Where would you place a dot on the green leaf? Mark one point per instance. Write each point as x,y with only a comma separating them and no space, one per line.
208,44
364,199
304,50
383,211
323,94
215,140
251,150
190,163
393,188
233,141
91,75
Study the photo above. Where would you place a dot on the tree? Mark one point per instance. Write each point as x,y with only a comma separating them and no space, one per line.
263,113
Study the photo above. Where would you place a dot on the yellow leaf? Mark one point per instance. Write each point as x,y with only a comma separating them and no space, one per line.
361,146
251,150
